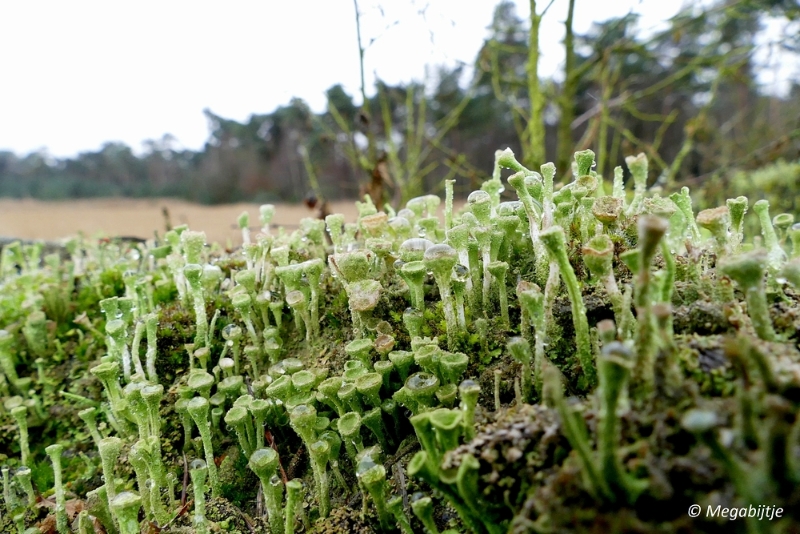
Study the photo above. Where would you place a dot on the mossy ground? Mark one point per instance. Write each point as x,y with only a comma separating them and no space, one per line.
523,455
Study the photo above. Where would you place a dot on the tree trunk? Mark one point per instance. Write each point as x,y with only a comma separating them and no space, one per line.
567,101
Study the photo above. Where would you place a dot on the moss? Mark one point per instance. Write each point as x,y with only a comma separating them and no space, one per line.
175,330
344,521
228,516
701,317
513,450
237,483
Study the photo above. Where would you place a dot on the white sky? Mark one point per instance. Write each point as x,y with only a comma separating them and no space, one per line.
79,73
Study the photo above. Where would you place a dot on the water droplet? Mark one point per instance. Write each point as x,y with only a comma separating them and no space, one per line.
460,273
479,197
399,224
419,381
231,332
365,465
277,370
416,244
353,364
509,207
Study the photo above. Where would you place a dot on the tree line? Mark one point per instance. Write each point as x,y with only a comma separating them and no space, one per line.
686,96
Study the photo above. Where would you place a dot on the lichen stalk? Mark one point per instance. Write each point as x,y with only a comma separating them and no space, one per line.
151,322
193,274
264,463
198,408
198,472
294,490
20,415
748,271
555,243
54,452
574,428
651,231
441,259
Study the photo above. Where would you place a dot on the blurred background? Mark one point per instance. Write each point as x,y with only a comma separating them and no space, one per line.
319,101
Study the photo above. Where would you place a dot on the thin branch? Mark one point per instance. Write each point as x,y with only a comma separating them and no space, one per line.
598,108
546,8
652,154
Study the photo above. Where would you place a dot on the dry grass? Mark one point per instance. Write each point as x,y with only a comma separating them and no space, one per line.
34,219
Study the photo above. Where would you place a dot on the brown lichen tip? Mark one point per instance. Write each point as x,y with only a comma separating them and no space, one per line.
364,295
607,209
715,220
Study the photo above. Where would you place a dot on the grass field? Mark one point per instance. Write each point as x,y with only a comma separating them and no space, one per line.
35,219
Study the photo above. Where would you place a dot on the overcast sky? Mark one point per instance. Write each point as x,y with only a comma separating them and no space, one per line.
79,73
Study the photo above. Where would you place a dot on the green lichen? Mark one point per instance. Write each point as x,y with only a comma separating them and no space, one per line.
570,362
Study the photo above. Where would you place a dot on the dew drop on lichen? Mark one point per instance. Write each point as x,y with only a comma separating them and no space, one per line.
420,381
365,465
460,273
229,330
478,197
415,247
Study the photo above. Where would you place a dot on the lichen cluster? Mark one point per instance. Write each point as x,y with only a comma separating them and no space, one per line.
578,358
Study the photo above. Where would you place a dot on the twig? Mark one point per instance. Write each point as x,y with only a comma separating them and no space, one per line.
274,446
180,512
400,476
295,462
613,103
